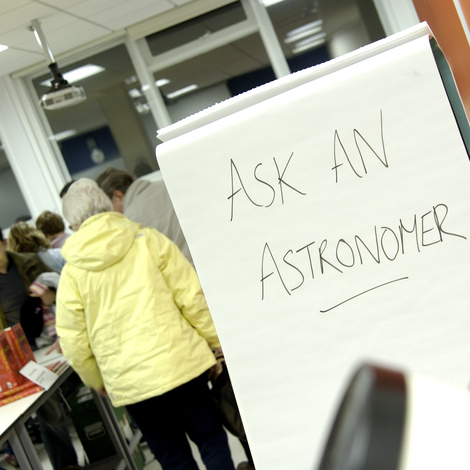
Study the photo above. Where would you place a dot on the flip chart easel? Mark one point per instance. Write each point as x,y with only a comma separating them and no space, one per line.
328,217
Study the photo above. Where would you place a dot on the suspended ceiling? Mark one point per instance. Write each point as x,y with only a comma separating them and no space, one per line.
70,24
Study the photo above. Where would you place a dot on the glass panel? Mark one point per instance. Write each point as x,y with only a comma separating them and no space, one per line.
109,128
12,205
337,26
195,28
226,71
231,69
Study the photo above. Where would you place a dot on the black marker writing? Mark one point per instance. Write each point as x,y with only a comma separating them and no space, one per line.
239,188
362,293
361,144
291,269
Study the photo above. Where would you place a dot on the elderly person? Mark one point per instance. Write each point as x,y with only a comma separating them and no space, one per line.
134,323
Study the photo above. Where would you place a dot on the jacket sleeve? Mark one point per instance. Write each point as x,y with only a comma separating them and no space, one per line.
72,331
182,280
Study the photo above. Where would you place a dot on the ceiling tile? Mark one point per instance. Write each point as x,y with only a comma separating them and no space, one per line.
180,2
9,5
75,34
56,22
127,15
21,17
20,38
90,8
17,60
63,5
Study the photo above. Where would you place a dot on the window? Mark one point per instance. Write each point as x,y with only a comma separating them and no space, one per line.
109,128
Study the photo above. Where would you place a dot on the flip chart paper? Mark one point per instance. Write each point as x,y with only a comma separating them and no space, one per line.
329,225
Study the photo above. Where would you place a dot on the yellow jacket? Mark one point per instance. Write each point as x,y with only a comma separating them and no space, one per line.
131,314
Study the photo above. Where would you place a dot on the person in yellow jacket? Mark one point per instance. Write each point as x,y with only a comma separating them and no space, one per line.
134,324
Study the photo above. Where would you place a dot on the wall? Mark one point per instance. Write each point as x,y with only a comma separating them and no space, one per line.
12,206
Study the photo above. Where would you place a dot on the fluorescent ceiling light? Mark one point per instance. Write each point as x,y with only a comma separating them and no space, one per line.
135,93
309,43
159,83
268,3
162,82
130,80
3,48
80,73
63,135
182,91
312,39
304,31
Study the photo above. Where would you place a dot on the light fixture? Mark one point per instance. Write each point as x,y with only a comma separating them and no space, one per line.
182,91
304,31
134,93
159,83
3,47
63,135
309,43
268,3
162,82
130,80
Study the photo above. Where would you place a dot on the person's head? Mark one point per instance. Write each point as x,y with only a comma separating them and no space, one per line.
50,224
24,238
83,200
115,183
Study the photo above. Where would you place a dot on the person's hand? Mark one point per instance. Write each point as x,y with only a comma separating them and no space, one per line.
55,347
102,392
217,368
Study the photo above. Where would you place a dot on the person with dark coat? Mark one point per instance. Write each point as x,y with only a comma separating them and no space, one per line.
17,272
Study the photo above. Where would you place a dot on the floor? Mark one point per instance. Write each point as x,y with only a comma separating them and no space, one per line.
238,454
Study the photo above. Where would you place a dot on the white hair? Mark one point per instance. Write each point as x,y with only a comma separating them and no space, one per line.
84,198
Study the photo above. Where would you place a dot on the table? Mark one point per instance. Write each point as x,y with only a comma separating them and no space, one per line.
14,416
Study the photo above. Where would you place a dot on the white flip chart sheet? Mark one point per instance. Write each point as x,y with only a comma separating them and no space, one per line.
329,225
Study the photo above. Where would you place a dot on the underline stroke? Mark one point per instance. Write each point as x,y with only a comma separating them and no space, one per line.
362,293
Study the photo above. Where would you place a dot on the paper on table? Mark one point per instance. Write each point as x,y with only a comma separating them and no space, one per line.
329,225
39,374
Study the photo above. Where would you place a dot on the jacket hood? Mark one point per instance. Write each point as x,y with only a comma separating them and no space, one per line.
101,241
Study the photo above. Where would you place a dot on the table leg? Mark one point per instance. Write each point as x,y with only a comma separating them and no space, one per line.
112,425
23,449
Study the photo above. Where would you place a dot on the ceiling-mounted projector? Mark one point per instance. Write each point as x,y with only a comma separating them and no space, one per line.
61,94
62,97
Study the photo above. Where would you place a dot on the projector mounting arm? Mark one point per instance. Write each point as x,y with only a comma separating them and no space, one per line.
61,93
58,81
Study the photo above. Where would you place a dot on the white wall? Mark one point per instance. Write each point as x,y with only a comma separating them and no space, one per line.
12,204
29,153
